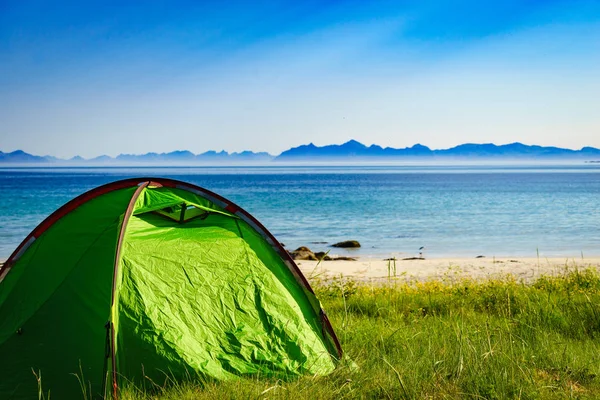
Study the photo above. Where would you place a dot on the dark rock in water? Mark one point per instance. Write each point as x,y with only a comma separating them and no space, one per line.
303,253
319,242
412,258
480,257
282,244
343,259
347,244
390,259
321,255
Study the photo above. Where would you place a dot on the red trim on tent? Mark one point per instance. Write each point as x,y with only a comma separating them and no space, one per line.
231,208
73,204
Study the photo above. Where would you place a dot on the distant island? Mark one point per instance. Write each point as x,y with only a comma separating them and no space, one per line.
349,151
180,157
465,151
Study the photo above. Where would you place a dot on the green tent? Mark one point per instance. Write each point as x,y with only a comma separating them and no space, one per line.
151,279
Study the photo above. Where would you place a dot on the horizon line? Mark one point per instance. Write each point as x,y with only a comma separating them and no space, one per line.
266,153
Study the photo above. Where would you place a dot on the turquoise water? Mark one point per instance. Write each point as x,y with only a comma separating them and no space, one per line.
392,210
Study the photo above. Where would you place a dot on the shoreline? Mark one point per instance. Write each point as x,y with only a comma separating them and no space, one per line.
379,270
376,269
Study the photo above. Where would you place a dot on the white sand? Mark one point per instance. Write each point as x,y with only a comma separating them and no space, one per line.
438,268
376,269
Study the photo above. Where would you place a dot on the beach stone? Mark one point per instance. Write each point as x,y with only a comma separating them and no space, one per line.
303,253
303,248
321,255
343,259
347,244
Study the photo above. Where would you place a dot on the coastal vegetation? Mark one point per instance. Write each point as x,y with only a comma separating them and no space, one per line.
450,338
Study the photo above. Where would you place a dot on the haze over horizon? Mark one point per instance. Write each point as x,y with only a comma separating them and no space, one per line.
98,78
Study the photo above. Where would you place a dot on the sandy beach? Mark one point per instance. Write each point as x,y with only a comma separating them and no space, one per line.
376,269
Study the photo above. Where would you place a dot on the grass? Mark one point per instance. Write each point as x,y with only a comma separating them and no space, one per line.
445,339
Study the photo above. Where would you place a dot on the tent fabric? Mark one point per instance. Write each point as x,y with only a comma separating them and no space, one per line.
154,279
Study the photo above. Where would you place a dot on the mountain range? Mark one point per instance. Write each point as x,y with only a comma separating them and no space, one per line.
464,151
349,151
175,157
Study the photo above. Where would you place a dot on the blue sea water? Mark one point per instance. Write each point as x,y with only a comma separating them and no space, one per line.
462,210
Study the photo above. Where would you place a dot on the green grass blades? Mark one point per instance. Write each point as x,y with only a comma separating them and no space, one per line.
445,339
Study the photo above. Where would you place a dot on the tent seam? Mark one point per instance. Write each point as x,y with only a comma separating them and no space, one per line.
126,216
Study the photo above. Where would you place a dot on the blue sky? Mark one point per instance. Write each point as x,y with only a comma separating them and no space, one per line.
110,77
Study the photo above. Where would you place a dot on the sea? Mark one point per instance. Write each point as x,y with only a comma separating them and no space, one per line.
392,210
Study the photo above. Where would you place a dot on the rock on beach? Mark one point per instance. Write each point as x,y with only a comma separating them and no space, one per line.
347,244
303,253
